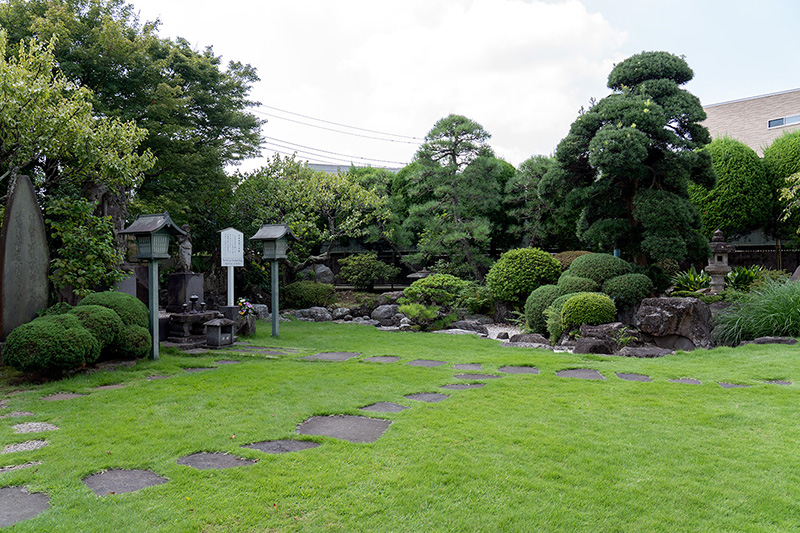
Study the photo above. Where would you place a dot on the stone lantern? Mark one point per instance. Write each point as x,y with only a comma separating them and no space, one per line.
276,242
718,263
152,234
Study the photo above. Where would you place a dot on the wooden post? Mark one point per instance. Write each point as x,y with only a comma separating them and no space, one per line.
153,300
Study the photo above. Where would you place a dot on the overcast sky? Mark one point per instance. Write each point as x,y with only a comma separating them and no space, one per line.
520,68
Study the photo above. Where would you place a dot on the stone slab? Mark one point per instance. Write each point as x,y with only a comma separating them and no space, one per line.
209,461
17,414
331,356
345,427
17,504
429,397
463,386
33,427
62,396
120,481
282,446
580,373
634,377
427,363
109,387
518,370
199,368
385,407
227,362
778,381
468,366
476,376
686,381
383,359
25,446
726,385
11,468
153,378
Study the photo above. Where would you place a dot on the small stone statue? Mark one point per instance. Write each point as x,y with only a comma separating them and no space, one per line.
185,251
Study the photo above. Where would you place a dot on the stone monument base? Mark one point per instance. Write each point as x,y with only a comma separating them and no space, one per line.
180,288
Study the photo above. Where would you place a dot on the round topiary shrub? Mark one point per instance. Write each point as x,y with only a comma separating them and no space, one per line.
305,294
134,342
552,316
519,272
50,344
56,309
436,289
129,308
535,305
568,284
102,322
364,269
599,267
628,290
566,258
591,308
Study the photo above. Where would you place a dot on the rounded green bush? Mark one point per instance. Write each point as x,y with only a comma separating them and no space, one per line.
568,283
364,269
519,272
129,308
102,322
305,294
50,344
566,258
535,305
628,289
590,308
552,314
134,342
436,289
599,267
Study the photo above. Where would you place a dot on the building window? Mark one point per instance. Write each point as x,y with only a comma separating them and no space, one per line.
785,121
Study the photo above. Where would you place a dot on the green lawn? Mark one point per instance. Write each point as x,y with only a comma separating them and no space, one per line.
523,453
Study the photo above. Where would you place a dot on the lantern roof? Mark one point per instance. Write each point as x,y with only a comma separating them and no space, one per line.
272,232
148,224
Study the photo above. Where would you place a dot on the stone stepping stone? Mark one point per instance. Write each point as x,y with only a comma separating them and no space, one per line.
580,373
383,359
476,376
3,404
197,351
109,387
518,370
282,446
17,414
725,385
429,397
345,427
463,386
385,407
331,356
634,377
19,467
208,461
25,446
199,368
62,396
778,382
17,504
120,481
468,366
227,362
427,363
686,381
33,427
153,378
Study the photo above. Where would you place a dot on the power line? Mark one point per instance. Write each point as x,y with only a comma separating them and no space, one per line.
343,125
334,130
313,157
336,153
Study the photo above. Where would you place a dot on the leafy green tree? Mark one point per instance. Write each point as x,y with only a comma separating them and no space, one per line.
739,202
627,162
782,163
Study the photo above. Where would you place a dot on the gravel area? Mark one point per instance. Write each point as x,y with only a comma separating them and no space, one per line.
34,427
25,446
19,467
494,329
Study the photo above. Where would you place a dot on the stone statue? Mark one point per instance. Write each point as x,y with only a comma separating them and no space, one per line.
185,251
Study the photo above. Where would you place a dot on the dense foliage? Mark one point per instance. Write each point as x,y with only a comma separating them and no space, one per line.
102,322
588,308
691,280
129,308
566,258
536,304
770,310
568,283
364,269
628,290
436,289
782,163
598,267
555,326
520,271
304,294
50,344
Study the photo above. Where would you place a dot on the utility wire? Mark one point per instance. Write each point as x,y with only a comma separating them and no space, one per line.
334,130
313,157
336,153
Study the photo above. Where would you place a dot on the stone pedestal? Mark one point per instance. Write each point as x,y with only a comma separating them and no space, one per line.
231,312
188,328
180,288
219,332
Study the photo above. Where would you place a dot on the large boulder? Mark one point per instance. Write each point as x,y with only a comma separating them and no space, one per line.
314,314
644,352
385,314
675,323
340,313
593,345
262,311
391,297
469,325
533,338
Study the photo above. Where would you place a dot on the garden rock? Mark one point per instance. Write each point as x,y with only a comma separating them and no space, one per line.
262,311
458,332
385,314
341,313
314,314
592,345
119,481
533,338
366,321
676,323
796,275
469,325
770,340
615,331
345,427
17,504
391,297
503,335
644,352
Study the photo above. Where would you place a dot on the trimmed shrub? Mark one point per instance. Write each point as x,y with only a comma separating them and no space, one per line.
129,308
568,284
565,259
478,299
552,316
50,344
102,322
363,270
770,310
519,272
422,315
599,267
591,308
134,342
628,290
436,289
57,309
535,305
305,294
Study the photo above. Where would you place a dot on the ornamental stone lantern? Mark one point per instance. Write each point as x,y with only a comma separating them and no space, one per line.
152,234
276,242
718,263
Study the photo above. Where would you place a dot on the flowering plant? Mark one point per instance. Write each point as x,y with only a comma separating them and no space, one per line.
245,307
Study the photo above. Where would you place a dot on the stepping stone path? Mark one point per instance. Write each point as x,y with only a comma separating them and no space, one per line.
778,382
19,467
109,387
25,446
282,446
153,378
17,504
468,366
62,396
686,381
580,373
429,397
17,414
733,385
385,407
463,386
331,356
634,377
382,359
518,369
208,461
119,481
427,363
345,427
199,368
227,362
34,427
3,404
476,376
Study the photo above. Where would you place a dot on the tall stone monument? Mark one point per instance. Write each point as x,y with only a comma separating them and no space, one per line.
24,258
